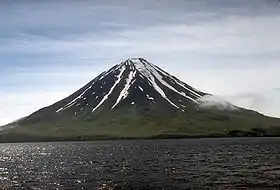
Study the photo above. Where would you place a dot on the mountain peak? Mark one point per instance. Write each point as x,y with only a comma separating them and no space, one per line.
136,62
135,98
136,59
132,59
134,82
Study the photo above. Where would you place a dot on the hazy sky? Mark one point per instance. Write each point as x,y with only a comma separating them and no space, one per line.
48,49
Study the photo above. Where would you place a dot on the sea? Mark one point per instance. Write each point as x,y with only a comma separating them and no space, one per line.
221,163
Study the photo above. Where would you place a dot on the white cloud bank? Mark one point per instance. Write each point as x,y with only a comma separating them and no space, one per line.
211,101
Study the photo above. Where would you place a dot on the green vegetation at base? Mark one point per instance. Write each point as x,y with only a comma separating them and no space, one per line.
141,123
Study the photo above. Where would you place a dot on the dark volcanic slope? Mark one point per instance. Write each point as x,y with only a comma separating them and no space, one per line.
136,99
135,82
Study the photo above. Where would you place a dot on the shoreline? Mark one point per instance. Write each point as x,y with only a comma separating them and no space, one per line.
29,139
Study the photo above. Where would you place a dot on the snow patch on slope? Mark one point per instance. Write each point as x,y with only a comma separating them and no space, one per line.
149,97
152,75
111,90
180,83
106,73
160,79
70,104
192,91
60,109
145,72
124,93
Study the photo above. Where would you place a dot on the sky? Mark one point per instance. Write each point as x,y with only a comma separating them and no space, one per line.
49,49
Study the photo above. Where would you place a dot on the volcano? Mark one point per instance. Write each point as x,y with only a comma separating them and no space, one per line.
137,99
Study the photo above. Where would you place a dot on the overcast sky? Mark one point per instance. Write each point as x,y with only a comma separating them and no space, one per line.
48,49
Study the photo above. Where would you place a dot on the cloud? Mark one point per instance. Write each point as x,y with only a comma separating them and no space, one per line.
236,38
229,48
267,102
210,101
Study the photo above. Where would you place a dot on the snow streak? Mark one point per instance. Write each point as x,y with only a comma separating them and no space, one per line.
70,104
149,74
159,77
111,90
140,66
124,93
180,83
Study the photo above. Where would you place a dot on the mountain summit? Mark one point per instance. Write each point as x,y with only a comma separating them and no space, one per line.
137,99
134,82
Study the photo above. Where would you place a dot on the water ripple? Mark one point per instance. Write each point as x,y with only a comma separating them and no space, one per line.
159,164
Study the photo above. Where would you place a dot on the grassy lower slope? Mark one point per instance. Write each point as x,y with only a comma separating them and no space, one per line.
143,123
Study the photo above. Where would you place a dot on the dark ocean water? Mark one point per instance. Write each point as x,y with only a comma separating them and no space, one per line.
252,163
